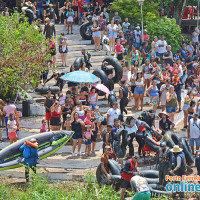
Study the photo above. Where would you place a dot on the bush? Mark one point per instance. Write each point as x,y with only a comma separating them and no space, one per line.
39,189
132,10
23,54
169,28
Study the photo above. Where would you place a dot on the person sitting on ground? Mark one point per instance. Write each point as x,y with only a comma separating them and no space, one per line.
129,170
140,188
31,157
165,124
105,172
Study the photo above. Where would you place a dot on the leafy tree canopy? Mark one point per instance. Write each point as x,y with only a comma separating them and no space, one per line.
132,10
169,28
23,55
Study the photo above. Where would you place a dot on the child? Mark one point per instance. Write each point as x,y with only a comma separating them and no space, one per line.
43,128
89,117
88,134
61,99
125,72
12,127
97,115
67,124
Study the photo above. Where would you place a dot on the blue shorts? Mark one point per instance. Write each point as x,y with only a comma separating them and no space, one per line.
133,61
130,39
189,118
170,109
96,34
81,15
77,136
88,141
93,106
197,141
139,90
44,75
40,11
160,55
112,35
136,44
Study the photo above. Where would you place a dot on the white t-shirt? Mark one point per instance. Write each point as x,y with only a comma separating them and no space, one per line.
161,49
195,37
194,130
137,38
113,115
181,71
11,124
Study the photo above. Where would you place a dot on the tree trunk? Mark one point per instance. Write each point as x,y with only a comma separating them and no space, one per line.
179,9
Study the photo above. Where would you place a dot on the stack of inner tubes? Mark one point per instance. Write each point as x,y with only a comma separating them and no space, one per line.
120,145
152,176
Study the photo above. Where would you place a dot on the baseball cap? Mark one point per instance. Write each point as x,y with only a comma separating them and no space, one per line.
136,156
151,111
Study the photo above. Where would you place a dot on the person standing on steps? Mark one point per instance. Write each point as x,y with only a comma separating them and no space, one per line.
129,170
63,50
96,34
194,132
70,19
86,58
164,159
102,23
124,93
113,113
49,29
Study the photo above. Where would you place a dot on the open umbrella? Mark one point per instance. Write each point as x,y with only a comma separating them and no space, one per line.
101,87
80,77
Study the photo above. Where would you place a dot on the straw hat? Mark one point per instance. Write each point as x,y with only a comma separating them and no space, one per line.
176,149
160,114
29,4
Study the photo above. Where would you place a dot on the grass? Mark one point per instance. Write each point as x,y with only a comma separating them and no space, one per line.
39,189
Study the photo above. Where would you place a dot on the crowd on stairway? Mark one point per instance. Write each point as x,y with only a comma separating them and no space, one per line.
149,69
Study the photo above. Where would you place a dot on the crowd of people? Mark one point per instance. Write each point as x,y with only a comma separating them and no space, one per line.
155,72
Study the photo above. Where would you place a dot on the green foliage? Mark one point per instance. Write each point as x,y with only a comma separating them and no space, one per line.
23,55
169,28
132,10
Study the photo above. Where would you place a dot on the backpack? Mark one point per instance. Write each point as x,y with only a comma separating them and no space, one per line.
27,152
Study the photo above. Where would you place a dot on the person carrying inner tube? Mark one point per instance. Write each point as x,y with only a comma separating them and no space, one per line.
59,82
148,117
129,170
131,127
124,93
105,172
86,58
140,188
107,136
164,159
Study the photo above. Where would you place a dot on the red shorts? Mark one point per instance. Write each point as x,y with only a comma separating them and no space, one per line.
12,135
48,116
